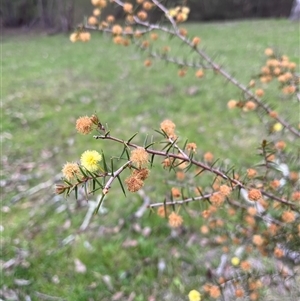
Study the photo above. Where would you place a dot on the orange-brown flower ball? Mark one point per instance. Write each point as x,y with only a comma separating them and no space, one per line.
92,20
127,7
288,217
199,73
254,194
142,15
116,30
196,41
175,220
269,52
139,156
259,92
84,125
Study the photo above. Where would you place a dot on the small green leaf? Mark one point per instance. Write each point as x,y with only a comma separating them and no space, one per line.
121,184
129,140
104,163
99,204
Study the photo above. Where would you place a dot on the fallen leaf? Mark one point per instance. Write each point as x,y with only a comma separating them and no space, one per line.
130,243
79,266
117,296
22,282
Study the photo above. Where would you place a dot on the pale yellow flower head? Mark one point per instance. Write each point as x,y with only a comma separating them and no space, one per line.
90,160
194,295
277,127
235,261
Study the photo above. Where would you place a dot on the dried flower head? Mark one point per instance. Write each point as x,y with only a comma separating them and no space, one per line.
257,240
118,40
251,173
196,41
97,12
254,194
181,17
84,36
100,3
84,125
127,7
90,160
273,114
74,37
225,190
175,220
134,183
199,73
288,216
278,252
269,52
145,44
208,157
239,292
249,106
117,30
292,65
139,157
259,92
204,229
175,192
92,20
147,5
147,63
168,127
59,189
182,72
183,32
180,175
141,173
214,291
245,265
296,196
142,15
289,89
251,83
217,199
167,162
154,36
162,211
191,147
280,145
232,104
252,211
70,171
294,176
110,19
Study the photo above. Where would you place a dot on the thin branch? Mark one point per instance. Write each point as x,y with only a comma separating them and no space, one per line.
189,200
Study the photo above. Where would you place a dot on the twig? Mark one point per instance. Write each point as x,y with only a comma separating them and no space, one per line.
198,198
48,297
140,212
33,190
88,216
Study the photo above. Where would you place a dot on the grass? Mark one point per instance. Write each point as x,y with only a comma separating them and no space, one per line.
47,83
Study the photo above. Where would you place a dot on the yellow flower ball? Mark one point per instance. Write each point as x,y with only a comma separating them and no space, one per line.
194,295
235,261
90,160
277,127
